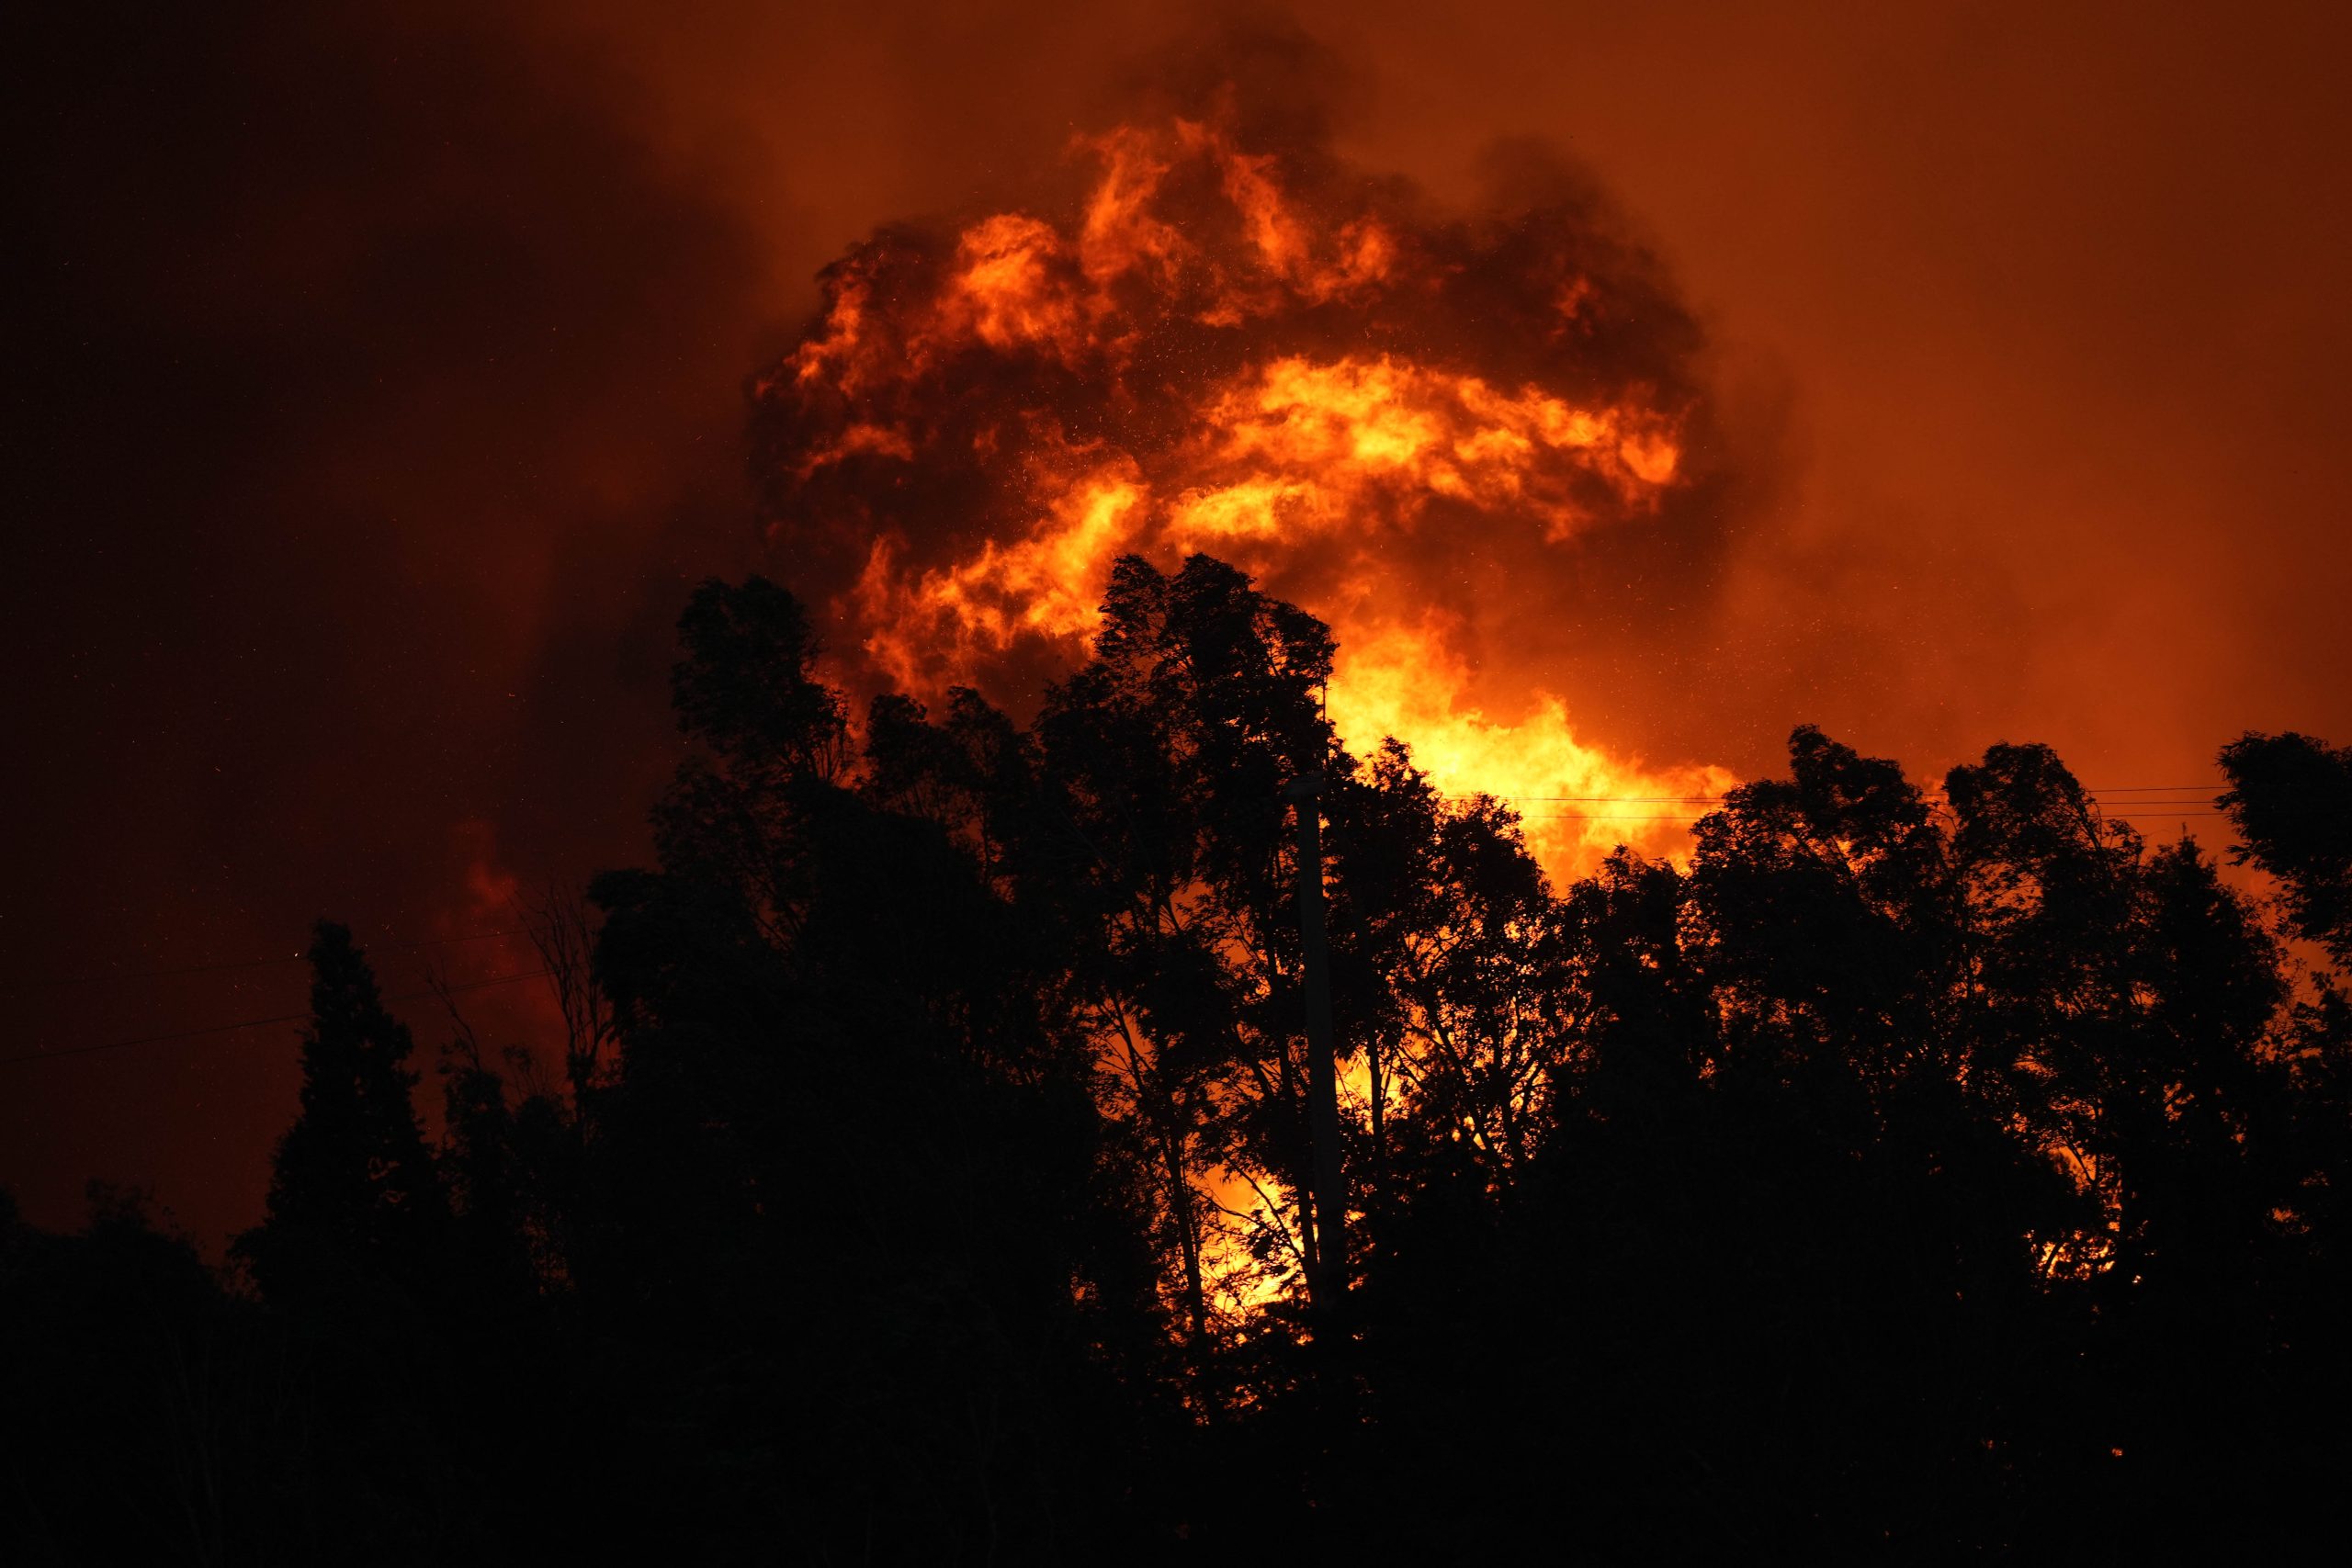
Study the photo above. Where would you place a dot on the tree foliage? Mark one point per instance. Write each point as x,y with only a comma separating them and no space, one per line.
1910,1174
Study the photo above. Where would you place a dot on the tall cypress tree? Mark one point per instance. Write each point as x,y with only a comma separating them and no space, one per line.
354,1201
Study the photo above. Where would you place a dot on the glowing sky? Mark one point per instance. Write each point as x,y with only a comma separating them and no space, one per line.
379,388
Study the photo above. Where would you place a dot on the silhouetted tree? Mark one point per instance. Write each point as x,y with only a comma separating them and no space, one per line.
354,1205
1164,762
1910,1175
2290,798
145,1416
849,1177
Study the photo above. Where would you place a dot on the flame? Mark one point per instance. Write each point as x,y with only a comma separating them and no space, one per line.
1005,291
1336,435
1216,348
943,625
1576,802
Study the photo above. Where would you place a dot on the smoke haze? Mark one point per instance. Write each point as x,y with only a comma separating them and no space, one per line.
380,385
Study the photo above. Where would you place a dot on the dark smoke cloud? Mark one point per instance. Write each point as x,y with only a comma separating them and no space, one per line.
952,435
373,394
368,365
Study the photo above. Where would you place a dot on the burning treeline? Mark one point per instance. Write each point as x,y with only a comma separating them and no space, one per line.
1891,1176
1415,427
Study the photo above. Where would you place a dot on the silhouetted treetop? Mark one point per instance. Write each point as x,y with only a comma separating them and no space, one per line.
353,1197
2290,797
941,1171
746,685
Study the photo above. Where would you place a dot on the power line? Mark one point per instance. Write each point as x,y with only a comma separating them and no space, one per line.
2123,807
2203,802
1611,816
2145,809
247,963
255,1023
2199,797
2142,789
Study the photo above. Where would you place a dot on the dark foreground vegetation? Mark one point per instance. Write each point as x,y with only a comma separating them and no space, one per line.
1916,1177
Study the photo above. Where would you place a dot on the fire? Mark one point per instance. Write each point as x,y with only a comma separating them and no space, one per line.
1004,293
1242,351
1335,438
1044,585
1576,803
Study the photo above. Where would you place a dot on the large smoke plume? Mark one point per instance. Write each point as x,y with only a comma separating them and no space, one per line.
1468,440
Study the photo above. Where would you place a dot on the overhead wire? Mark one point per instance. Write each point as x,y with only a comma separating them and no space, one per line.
2200,802
256,1022
1611,817
245,963
2195,792
2141,809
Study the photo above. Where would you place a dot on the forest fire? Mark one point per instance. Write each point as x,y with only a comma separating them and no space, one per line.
1263,358
1099,929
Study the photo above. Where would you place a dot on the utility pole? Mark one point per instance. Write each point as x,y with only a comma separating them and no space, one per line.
1322,1070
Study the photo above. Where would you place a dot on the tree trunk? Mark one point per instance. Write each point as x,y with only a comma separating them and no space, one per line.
1327,1281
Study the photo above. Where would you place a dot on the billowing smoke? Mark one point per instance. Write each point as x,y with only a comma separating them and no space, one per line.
1465,440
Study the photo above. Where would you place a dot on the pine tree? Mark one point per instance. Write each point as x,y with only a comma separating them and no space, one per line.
353,1198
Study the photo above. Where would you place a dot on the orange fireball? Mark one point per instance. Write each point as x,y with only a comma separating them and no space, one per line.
1253,354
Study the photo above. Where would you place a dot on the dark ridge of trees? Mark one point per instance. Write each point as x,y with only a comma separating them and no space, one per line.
1905,1179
